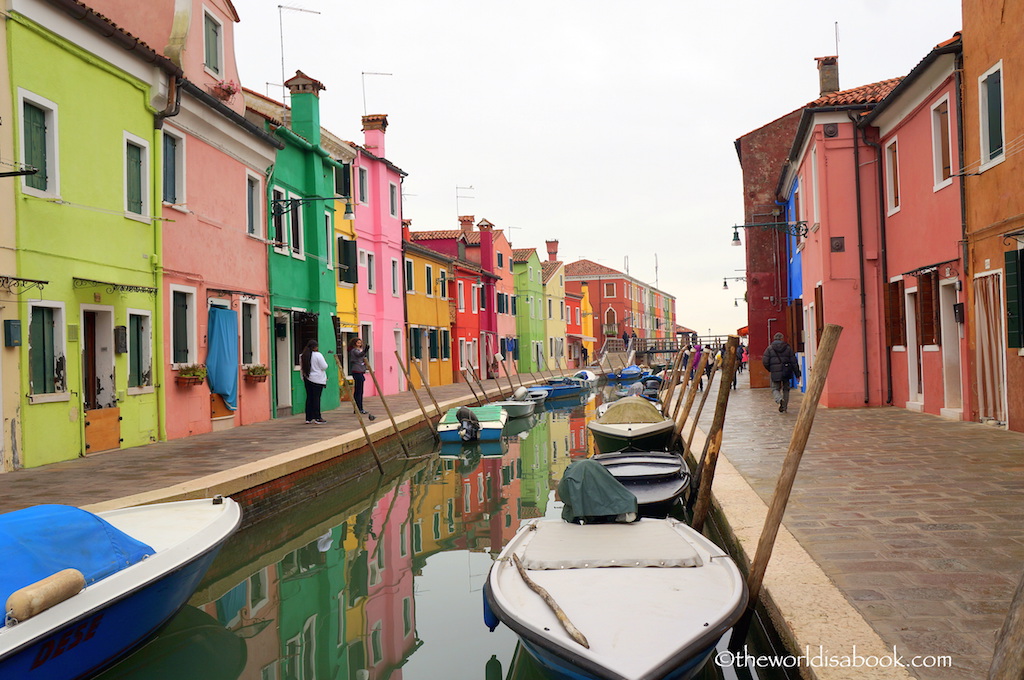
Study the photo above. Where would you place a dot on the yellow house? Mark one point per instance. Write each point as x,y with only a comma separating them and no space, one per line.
553,278
428,313
587,321
343,252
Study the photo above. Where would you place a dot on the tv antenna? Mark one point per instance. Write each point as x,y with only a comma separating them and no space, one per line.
458,196
280,25
370,73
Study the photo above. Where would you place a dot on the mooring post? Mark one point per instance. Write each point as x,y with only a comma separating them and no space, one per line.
784,486
412,388
706,471
346,391
672,382
511,387
1008,660
426,385
479,382
682,410
380,393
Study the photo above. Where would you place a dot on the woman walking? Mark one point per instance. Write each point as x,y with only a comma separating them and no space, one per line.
314,375
357,367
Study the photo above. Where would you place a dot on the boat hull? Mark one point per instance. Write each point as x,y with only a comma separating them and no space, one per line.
644,436
658,479
517,409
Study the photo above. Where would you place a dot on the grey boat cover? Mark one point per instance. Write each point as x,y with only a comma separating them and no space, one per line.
630,410
591,494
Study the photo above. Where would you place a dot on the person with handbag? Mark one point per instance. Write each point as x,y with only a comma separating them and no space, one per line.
780,360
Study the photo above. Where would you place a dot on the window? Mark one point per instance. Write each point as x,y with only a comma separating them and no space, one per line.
501,260
941,154
364,188
529,271
1013,261
462,296
814,185
276,202
371,274
252,206
410,281
212,44
474,296
429,281
415,343
432,340
39,144
462,354
551,313
990,86
348,269
295,229
46,348
609,290
444,284
140,350
892,177
136,175
250,333
183,323
446,343
514,304
395,286
174,168
483,298
561,310
342,180
895,314
393,199
328,238
578,322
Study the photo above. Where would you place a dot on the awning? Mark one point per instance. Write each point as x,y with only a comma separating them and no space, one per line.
585,338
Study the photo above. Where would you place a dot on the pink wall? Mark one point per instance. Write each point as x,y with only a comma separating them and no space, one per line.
506,285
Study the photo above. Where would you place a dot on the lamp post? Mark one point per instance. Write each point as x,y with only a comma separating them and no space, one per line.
798,228
727,279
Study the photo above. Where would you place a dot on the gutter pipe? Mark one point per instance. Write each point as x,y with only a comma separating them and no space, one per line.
860,257
883,255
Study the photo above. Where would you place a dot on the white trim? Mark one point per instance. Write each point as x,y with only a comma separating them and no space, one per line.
255,329
891,152
329,231
396,278
939,182
190,324
207,12
259,222
363,186
181,204
280,242
52,143
983,118
143,214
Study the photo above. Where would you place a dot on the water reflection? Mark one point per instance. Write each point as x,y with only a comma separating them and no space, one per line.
381,576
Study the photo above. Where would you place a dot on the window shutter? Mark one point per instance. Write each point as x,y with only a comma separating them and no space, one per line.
432,340
212,45
135,350
797,338
170,163
179,321
134,172
994,102
819,314
1014,301
35,145
927,294
41,351
343,181
247,351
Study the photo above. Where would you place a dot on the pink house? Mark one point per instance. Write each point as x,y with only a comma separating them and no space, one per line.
214,258
378,224
927,358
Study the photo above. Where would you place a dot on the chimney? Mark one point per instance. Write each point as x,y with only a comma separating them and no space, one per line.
552,250
305,98
466,223
374,126
406,228
487,245
828,74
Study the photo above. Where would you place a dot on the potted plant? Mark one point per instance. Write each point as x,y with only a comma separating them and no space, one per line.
256,373
191,374
225,90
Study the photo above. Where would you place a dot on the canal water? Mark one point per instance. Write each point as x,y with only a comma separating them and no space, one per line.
354,575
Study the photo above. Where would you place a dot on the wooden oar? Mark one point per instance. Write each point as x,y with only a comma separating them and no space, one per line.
572,630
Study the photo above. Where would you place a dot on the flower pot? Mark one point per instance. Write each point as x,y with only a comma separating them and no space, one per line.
255,378
188,380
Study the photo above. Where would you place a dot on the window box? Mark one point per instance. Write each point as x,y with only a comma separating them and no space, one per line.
187,380
191,375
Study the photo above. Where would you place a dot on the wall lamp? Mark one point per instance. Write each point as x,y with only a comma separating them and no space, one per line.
283,206
727,279
736,301
792,228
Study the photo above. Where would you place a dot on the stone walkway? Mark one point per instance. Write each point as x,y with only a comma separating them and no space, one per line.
918,520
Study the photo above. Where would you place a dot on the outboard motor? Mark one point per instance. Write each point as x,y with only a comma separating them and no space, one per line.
521,394
469,424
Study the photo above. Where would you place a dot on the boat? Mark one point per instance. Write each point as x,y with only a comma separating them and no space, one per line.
520,405
658,479
489,421
631,421
467,451
561,390
627,374
658,618
537,396
83,589
589,378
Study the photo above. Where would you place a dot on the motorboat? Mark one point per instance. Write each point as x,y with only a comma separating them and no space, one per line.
613,599
520,405
589,378
472,423
83,589
627,374
631,422
658,479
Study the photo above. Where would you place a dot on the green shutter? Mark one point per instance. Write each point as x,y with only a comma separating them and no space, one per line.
994,104
35,145
247,354
42,357
170,169
135,351
1014,302
179,328
212,44
432,343
134,173
352,261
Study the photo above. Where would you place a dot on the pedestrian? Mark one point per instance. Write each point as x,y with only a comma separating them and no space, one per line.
357,367
625,338
586,355
780,360
314,375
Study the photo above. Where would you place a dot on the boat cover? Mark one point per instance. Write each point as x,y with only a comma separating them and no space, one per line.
589,492
557,545
631,410
485,414
40,541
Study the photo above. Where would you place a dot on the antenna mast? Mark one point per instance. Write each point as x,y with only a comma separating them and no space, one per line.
280,25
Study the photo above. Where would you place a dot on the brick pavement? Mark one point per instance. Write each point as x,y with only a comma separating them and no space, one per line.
917,519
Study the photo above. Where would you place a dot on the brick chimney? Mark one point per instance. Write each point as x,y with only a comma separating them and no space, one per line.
305,98
487,245
552,250
374,126
828,74
406,228
466,223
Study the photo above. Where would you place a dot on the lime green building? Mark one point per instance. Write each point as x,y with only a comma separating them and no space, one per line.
529,309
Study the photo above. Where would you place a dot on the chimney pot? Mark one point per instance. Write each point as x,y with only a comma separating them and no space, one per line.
828,74
552,250
466,223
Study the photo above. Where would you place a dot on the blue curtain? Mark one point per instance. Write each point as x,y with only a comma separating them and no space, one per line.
222,357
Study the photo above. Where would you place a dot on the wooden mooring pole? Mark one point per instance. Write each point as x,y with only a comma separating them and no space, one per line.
426,385
710,459
511,387
1008,660
346,391
784,485
394,425
700,407
682,410
479,400
412,388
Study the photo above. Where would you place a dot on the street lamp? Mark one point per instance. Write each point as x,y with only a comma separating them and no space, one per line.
798,228
727,279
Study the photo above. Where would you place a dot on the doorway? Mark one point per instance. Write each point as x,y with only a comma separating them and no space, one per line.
99,396
284,366
915,380
950,334
991,339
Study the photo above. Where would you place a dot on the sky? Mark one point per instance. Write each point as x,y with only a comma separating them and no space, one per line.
608,126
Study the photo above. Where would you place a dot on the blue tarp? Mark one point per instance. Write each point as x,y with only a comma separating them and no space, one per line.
40,541
222,356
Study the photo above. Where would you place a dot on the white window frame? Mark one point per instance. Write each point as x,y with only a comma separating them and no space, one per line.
254,330
892,176
609,285
474,298
937,136
429,289
147,350
52,146
297,251
371,273
393,199
278,194
59,345
461,291
396,278
190,324
258,224
143,215
329,233
983,106
179,169
363,178
501,260
219,75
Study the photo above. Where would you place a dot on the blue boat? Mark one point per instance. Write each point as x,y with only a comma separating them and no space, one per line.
83,589
561,390
630,373
491,420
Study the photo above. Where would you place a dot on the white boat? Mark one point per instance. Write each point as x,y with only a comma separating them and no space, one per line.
631,421
516,409
651,598
83,589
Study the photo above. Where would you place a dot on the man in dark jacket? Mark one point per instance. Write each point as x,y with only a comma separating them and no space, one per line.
780,360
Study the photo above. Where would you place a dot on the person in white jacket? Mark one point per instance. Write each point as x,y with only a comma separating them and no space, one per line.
314,375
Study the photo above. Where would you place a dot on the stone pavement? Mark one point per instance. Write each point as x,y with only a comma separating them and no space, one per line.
918,520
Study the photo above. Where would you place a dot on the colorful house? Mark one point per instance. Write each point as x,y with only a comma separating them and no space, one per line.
378,210
529,303
301,187
10,284
86,231
992,57
587,322
467,335
553,281
428,313
608,288
574,330
921,190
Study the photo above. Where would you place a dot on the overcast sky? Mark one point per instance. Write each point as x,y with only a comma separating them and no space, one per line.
606,125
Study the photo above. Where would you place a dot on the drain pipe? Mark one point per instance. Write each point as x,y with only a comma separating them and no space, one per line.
860,256
883,254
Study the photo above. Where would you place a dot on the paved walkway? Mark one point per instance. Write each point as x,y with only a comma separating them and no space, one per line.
918,520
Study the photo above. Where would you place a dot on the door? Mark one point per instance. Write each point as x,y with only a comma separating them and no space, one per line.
99,398
991,348
283,361
915,348
951,379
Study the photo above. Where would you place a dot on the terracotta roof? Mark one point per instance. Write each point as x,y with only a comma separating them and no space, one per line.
436,235
473,237
865,94
548,269
586,268
522,254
